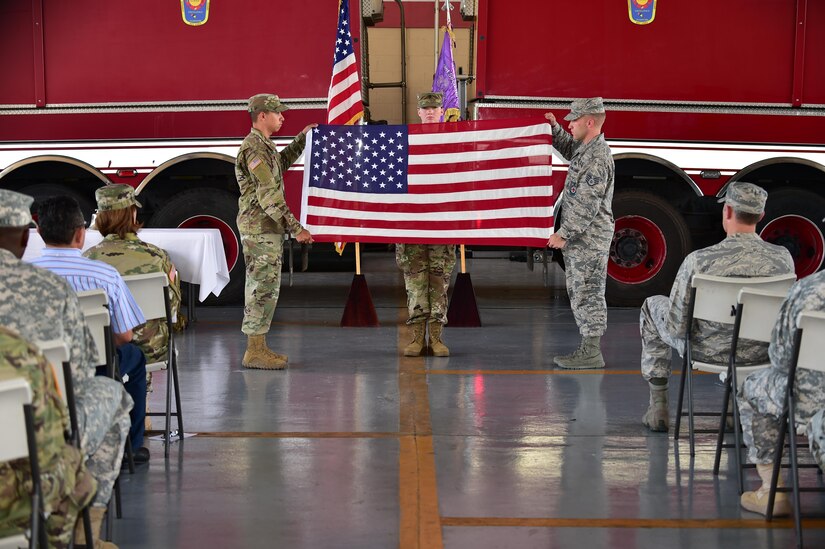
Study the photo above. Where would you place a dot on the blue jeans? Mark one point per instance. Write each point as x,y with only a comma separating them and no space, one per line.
132,363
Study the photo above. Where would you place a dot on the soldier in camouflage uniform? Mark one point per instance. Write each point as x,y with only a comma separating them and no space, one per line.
263,219
663,320
586,227
122,249
67,485
41,305
816,437
427,268
762,396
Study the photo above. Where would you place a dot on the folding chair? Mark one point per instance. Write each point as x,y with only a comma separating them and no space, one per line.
92,299
56,353
756,313
151,292
95,307
808,352
714,299
17,434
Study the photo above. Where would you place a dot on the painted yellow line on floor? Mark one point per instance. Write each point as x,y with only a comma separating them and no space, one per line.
626,523
293,434
538,372
419,520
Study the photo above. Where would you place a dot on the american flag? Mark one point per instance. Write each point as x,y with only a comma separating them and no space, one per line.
481,182
344,101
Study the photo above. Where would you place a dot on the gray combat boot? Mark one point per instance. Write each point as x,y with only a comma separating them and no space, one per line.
657,417
587,357
569,356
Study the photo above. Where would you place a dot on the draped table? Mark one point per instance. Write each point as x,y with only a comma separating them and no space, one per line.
197,254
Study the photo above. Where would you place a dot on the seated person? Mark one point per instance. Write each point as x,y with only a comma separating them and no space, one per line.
762,396
67,486
663,320
122,249
816,437
61,225
39,305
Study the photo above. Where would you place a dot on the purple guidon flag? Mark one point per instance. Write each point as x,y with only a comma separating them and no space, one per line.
444,79
480,182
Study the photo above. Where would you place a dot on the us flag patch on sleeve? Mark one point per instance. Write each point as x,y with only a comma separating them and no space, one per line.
254,163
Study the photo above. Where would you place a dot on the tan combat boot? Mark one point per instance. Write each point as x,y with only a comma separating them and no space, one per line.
561,358
96,515
587,357
757,501
437,346
258,356
417,344
657,417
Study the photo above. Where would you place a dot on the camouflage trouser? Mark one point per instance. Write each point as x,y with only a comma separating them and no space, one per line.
586,275
657,343
263,255
761,400
67,488
103,407
816,437
427,269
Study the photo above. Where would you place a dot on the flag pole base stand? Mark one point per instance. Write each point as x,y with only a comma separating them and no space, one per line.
463,310
359,311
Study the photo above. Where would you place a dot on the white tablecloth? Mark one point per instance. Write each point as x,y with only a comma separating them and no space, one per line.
197,254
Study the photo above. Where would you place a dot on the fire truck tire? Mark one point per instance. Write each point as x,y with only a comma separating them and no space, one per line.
794,219
209,208
649,243
45,190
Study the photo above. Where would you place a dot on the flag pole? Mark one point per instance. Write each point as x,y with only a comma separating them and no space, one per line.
358,258
463,260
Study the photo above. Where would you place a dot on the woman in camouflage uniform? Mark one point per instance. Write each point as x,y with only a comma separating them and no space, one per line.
122,249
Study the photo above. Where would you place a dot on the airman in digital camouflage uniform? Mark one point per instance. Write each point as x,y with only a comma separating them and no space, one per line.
263,219
41,305
762,396
663,320
816,437
427,268
586,227
122,249
67,486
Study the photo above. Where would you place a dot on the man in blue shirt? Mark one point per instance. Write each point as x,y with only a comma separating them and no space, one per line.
63,229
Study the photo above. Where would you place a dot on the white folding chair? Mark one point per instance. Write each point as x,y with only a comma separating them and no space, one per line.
92,299
714,299
756,313
808,354
57,354
95,307
18,436
151,292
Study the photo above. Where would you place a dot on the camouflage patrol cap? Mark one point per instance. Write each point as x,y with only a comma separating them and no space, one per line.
265,102
580,107
15,209
430,100
115,197
745,197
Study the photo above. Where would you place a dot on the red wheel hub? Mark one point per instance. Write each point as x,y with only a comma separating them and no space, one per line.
802,238
231,246
638,250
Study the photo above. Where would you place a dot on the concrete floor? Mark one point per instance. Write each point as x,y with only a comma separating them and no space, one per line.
356,446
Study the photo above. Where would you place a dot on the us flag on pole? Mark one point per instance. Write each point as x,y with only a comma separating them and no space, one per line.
344,100
480,182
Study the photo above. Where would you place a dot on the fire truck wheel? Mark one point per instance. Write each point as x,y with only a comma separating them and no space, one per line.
209,209
45,190
649,243
794,219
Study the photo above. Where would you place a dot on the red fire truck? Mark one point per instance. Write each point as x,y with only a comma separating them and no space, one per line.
101,92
